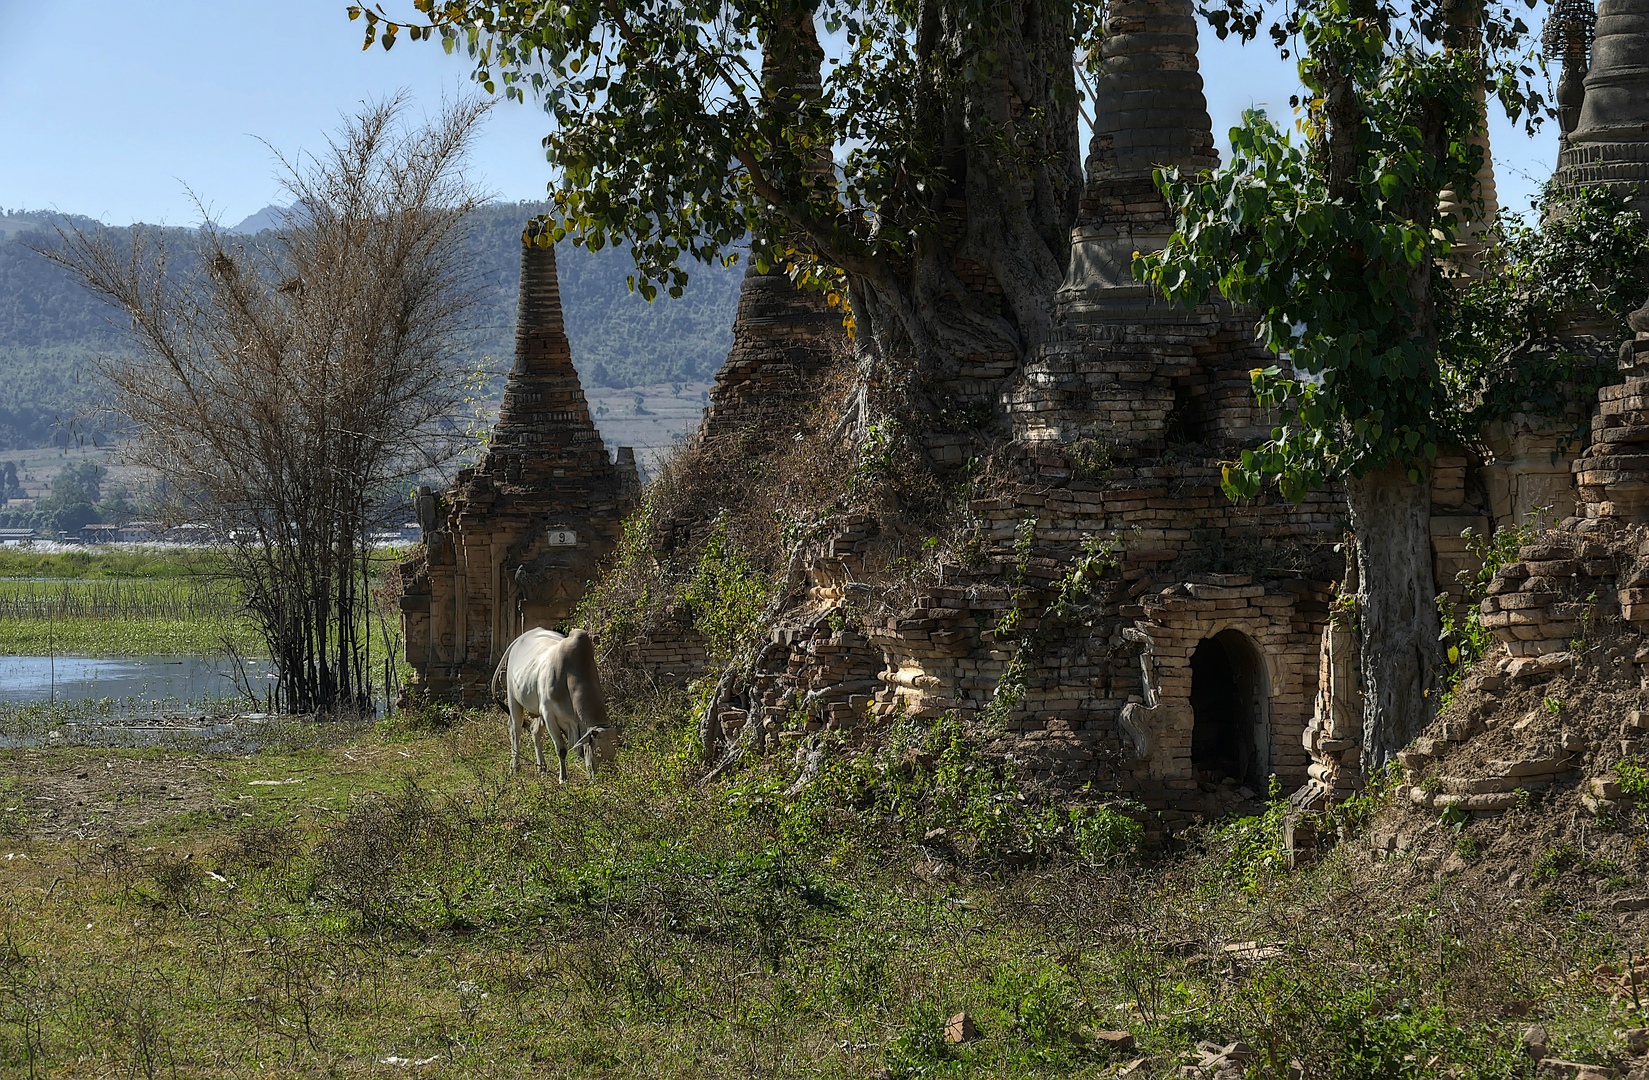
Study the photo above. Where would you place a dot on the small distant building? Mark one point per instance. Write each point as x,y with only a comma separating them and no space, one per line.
408,533
19,536
190,534
131,532
522,534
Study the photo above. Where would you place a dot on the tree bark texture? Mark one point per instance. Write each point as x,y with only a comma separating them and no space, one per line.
1396,610
990,226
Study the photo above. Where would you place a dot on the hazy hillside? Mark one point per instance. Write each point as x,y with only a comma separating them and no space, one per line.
52,331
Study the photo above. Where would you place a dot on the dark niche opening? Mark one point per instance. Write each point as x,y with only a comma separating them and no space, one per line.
1228,708
1187,421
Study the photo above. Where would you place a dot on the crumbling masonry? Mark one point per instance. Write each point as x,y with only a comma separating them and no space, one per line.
1209,659
1208,662
520,535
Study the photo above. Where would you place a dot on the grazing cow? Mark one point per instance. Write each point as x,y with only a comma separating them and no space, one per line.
552,678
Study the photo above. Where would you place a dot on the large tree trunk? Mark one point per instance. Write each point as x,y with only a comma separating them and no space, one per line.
1002,203
1396,610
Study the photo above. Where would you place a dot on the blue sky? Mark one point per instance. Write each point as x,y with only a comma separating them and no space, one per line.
119,110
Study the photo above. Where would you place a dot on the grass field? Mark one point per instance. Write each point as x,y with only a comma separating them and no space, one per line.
390,901
107,564
123,602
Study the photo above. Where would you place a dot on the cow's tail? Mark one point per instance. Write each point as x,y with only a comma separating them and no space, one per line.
498,676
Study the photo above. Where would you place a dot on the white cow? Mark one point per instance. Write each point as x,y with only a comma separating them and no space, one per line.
552,678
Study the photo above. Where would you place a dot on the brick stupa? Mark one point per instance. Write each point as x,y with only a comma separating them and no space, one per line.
784,338
525,530
1608,145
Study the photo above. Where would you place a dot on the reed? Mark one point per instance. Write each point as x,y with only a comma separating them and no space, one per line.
205,599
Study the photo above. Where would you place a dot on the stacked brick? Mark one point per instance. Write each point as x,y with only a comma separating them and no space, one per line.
1545,600
1605,147
668,650
945,651
526,529
1494,789
1139,387
1528,475
1150,111
784,339
1613,476
1458,504
1597,563
1334,734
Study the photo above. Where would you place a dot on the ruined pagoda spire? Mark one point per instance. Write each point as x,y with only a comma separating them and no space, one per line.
1149,112
1475,217
1609,145
527,528
1567,38
544,420
783,337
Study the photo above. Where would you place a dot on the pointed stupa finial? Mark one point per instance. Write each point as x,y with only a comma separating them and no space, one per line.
1474,217
1149,112
1567,39
540,335
1609,146
544,420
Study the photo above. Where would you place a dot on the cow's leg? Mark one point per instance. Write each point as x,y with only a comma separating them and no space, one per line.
558,739
538,742
516,715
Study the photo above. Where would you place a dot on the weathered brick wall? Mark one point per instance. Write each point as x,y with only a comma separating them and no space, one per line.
1593,564
784,339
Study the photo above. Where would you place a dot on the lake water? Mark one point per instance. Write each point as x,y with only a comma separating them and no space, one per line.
131,680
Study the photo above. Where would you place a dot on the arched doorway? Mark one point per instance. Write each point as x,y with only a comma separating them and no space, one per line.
1229,697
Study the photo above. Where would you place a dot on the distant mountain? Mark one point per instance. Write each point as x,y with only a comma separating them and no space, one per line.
270,217
16,222
52,331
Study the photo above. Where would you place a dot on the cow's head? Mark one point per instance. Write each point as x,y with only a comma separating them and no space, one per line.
598,745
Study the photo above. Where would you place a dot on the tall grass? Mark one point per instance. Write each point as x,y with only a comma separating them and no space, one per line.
167,598
135,601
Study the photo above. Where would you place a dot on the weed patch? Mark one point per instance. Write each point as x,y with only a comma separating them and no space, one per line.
398,893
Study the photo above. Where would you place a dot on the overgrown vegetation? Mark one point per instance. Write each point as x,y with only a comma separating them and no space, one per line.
933,785
716,526
325,908
1466,640
1509,337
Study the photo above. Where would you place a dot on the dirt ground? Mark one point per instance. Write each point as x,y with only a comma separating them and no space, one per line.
99,794
91,795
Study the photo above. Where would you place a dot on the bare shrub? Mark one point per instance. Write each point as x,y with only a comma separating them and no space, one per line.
286,395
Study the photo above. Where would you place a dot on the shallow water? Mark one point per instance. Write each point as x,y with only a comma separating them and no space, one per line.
130,680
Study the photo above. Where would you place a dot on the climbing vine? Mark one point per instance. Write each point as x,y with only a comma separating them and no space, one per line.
1073,594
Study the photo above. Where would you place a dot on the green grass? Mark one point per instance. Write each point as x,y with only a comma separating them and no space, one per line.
128,603
152,635
143,601
350,895
137,562
118,598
